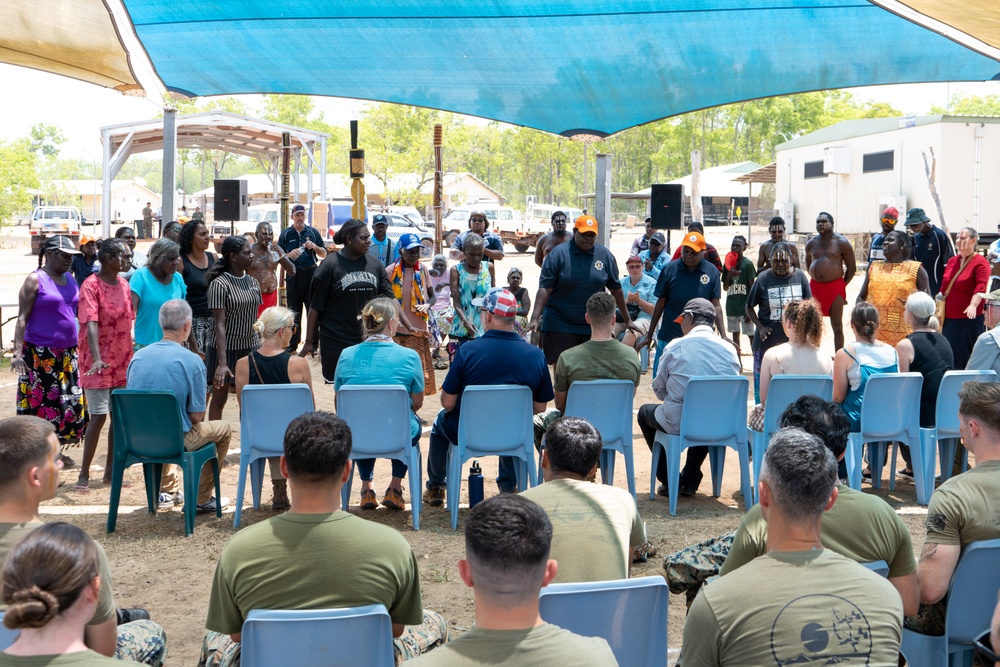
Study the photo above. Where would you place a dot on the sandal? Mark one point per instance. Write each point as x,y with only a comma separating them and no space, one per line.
440,364
368,500
393,499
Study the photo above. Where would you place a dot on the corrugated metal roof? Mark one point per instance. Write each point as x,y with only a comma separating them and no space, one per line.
849,129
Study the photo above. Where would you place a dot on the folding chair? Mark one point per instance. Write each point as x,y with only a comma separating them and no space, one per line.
879,567
7,636
607,404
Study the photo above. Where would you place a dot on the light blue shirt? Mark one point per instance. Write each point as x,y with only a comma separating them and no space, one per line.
378,250
168,365
661,261
645,289
153,294
382,362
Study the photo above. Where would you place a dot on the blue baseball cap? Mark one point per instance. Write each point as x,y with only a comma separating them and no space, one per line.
408,241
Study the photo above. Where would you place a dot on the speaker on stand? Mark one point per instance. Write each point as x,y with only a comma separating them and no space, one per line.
666,207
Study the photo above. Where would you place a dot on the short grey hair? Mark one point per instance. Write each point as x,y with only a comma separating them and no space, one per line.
801,473
174,314
971,231
159,250
473,241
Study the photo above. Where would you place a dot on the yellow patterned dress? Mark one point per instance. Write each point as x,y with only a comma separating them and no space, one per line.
889,284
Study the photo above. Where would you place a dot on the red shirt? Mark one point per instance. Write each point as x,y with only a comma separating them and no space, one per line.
972,280
111,307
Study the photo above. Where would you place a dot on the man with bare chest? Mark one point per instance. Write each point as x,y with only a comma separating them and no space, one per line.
832,265
263,266
547,242
776,227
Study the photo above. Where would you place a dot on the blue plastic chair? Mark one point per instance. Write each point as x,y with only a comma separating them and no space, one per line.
148,430
704,423
354,637
266,410
379,419
782,392
879,567
972,596
495,420
890,412
630,614
945,434
607,404
7,636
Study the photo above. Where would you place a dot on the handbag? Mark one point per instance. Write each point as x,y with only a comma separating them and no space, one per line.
939,308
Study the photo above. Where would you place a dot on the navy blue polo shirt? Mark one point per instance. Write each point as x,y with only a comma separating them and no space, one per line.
678,285
574,276
496,357
291,239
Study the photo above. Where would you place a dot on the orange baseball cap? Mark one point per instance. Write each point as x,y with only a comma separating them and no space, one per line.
586,223
695,241
86,238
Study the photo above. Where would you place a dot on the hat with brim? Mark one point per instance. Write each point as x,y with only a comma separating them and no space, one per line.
633,259
498,301
585,224
409,241
916,216
87,238
993,296
298,208
658,238
697,306
694,240
379,220
62,243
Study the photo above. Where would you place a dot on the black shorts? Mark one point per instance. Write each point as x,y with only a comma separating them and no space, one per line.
555,343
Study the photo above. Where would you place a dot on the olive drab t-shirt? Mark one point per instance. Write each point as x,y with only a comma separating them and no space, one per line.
966,508
860,526
809,607
77,659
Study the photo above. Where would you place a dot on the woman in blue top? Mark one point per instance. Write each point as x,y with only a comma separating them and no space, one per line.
152,286
470,279
379,360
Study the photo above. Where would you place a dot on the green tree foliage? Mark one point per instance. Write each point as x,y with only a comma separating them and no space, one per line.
971,105
46,139
17,177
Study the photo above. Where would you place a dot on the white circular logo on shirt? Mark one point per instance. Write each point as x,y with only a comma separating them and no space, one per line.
704,279
599,265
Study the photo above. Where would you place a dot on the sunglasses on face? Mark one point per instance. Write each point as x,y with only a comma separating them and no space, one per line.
478,220
888,221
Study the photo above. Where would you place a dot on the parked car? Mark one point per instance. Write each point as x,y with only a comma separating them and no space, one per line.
51,221
504,221
399,225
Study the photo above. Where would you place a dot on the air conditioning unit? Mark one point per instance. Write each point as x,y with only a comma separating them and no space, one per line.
899,201
836,160
786,210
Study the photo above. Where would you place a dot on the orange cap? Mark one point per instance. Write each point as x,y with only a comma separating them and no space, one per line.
694,240
86,238
586,223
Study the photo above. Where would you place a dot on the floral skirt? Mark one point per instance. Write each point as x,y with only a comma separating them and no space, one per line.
439,324
51,390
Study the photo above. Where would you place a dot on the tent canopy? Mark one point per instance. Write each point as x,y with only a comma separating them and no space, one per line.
571,67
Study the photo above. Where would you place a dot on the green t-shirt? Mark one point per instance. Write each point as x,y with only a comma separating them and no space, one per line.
544,645
78,659
965,509
594,528
314,561
12,533
736,296
860,526
597,360
795,607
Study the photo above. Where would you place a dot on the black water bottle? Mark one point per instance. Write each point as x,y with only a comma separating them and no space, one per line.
475,484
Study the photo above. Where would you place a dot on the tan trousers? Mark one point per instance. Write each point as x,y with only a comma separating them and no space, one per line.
200,435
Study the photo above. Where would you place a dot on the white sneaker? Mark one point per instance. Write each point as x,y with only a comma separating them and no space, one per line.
211,505
168,501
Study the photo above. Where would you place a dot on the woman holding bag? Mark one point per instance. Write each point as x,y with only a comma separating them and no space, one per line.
965,276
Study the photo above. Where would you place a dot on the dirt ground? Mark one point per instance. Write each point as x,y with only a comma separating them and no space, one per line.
154,566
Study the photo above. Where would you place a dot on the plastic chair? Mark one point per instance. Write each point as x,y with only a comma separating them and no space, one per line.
630,614
782,392
353,637
890,412
972,595
266,411
879,567
7,636
945,432
495,420
387,436
607,404
148,430
704,424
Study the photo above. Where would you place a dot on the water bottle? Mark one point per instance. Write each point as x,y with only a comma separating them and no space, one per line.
475,484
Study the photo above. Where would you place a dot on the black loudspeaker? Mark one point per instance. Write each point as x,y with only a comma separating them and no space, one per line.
666,206
231,200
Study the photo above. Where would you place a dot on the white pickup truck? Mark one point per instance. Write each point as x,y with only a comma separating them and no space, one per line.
53,221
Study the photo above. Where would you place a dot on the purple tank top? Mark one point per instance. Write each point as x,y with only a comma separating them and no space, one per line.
53,319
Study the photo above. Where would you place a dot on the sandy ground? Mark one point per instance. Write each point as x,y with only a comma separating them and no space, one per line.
156,567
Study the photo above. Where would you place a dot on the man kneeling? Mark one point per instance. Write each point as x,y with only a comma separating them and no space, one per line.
317,556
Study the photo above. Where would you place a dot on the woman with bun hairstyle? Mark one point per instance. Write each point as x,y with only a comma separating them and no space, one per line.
51,586
927,352
380,360
273,364
344,282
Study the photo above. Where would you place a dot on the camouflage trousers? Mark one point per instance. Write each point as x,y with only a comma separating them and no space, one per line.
542,421
218,650
929,619
142,641
690,567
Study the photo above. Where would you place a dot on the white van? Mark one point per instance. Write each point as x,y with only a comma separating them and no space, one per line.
504,221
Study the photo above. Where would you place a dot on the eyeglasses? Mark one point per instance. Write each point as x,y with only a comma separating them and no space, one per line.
477,219
291,328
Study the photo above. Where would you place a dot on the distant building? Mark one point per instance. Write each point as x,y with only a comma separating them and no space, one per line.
128,198
857,168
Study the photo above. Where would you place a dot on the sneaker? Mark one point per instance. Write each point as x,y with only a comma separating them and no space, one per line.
434,496
393,499
368,500
168,501
662,490
643,552
908,474
127,615
212,504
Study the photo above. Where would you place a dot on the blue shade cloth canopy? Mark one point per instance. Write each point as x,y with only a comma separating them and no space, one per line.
575,67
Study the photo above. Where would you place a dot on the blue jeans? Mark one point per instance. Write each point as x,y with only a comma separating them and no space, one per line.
366,467
444,434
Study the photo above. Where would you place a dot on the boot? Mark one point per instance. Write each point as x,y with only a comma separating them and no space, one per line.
279,495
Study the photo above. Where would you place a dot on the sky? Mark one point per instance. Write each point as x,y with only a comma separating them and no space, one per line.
80,109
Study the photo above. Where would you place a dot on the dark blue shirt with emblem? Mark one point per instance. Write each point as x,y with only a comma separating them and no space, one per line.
678,284
574,276
291,238
933,250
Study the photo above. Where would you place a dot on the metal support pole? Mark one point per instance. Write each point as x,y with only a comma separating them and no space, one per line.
602,199
169,164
